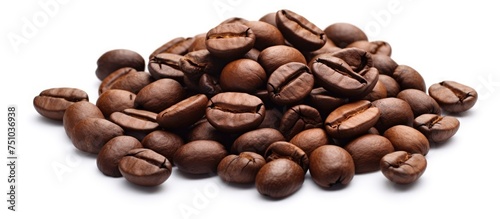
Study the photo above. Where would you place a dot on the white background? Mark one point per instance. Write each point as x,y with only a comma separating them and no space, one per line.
58,47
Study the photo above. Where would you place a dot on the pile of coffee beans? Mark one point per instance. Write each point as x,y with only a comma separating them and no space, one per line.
260,102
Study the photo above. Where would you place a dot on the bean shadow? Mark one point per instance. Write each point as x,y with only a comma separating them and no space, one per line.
142,189
401,187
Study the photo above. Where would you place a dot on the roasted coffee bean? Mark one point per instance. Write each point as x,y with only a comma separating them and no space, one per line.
346,73
115,100
367,150
331,165
324,101
52,103
290,83
435,127
229,40
166,65
199,157
384,64
196,63
137,123
452,96
266,35
343,34
113,151
178,45
393,111
145,167
273,57
90,134
402,167
198,42
300,32
243,75
420,102
310,139
373,47
272,118
159,95
183,113
115,59
269,18
287,150
352,119
109,80
378,92
279,178
391,85
329,47
78,111
253,54
235,112
299,118
409,78
163,142
209,85
203,130
406,138
256,141
241,168
133,81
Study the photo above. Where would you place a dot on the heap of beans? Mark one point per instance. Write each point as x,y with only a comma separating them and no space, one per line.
260,102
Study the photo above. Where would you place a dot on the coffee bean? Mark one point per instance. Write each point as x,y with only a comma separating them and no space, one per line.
178,46
346,73
373,47
240,168
272,118
331,165
409,78
115,59
203,130
111,79
196,63
367,150
329,47
391,86
229,40
137,123
77,112
378,92
256,141
324,101
163,142
402,167
199,157
420,102
235,112
269,18
209,85
266,35
300,32
343,34
159,95
52,103
183,113
165,65
406,138
115,100
453,97
287,150
145,167
299,118
290,83
435,127
113,151
384,64
352,119
133,81
310,139
273,57
279,178
393,111
243,75
90,134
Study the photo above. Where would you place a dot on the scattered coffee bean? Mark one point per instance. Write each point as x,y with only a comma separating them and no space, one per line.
145,167
406,138
343,34
283,149
256,141
420,102
53,102
115,100
199,157
113,151
453,97
77,112
91,134
352,119
402,167
367,150
300,32
279,178
113,60
435,127
331,165
230,40
241,168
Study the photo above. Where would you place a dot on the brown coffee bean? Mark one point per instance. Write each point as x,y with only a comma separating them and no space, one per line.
199,157
378,92
256,141
115,100
310,139
300,32
435,127
199,62
409,78
453,97
279,178
165,65
203,130
243,75
367,150
145,167
266,35
198,42
159,95
331,165
373,47
163,142
393,111
272,118
324,101
77,112
406,138
115,59
137,123
133,81
235,112
290,83
287,150
90,134
299,118
240,168
352,119
343,34
229,40
391,86
420,102
209,85
111,79
273,57
183,113
113,151
52,103
269,18
178,45
402,167
384,64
